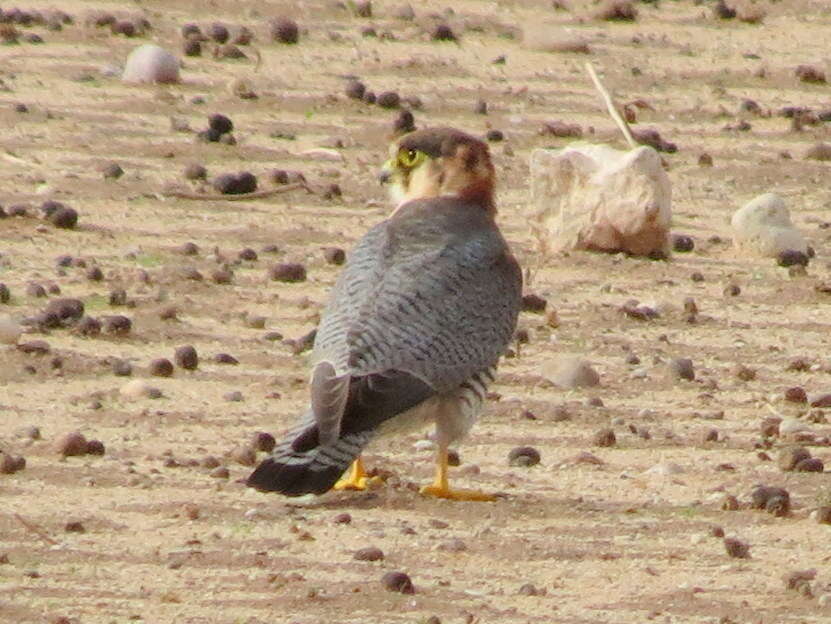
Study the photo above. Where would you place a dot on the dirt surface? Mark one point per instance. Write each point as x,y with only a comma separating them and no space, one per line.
625,538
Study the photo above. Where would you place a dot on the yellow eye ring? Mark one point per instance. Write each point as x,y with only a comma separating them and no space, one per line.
410,158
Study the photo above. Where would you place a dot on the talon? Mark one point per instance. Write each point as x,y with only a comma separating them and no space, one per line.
358,479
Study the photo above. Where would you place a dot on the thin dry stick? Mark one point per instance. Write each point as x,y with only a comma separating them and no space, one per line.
243,196
610,105
34,529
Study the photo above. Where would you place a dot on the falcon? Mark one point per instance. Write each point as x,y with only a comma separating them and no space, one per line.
415,325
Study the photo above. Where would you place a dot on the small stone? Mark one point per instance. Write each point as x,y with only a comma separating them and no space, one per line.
571,373
681,368
605,438
696,276
369,553
186,357
220,472
732,290
284,30
218,32
705,160
736,548
65,218
138,388
248,255
150,63
74,526
161,367
682,243
88,326
5,294
397,582
117,325
188,249
71,444
819,151
729,503
824,515
192,47
235,396
796,394
710,435
287,272
792,257
345,518
524,456
10,331
122,368
225,358
811,464
9,464
494,135
791,456
443,32
334,255
774,499
222,276
769,427
533,303
95,447
244,455
195,171
388,99
220,123
744,373
355,90
262,441
34,347
94,274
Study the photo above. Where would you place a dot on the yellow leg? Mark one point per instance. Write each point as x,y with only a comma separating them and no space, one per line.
358,479
441,486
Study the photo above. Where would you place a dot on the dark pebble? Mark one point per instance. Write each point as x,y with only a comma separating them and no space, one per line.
66,309
285,30
533,303
398,582
192,47
224,358
736,548
117,325
334,255
247,254
72,444
762,496
188,249
404,123
345,518
218,32
161,367
792,257
812,464
220,123
263,441
355,90
122,368
235,184
494,136
65,218
682,243
186,357
222,276
796,394
74,526
124,27
369,553
95,447
287,272
605,437
682,368
88,326
95,274
443,32
388,99
524,456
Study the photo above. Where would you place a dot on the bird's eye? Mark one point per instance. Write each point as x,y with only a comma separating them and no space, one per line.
410,158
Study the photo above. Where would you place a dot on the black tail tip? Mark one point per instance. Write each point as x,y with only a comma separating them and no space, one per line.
292,479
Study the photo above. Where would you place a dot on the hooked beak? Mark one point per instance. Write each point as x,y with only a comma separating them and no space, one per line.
385,174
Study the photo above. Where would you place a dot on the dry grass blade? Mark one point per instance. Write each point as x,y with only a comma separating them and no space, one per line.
610,105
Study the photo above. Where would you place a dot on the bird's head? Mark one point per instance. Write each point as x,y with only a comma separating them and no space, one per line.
436,162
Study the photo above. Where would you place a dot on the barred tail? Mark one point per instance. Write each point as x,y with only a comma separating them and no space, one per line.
301,465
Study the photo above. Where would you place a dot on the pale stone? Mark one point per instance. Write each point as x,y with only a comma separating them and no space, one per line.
792,425
137,389
597,198
763,227
571,373
10,331
151,64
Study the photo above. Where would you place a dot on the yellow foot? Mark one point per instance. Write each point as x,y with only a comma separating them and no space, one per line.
459,495
358,479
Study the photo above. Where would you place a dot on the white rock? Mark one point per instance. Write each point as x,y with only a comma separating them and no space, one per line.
571,373
424,445
763,227
150,63
137,389
665,469
598,198
10,331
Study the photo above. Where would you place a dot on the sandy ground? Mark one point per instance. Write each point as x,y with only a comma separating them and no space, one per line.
624,540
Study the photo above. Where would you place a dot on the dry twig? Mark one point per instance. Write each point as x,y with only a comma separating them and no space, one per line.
35,529
610,105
